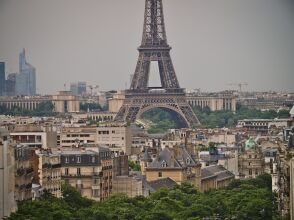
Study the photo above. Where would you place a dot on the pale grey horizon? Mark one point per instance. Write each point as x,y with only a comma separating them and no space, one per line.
215,42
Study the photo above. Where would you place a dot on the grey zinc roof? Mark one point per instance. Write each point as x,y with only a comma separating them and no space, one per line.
162,183
219,171
146,156
165,156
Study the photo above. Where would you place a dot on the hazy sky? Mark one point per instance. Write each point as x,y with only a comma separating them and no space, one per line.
215,42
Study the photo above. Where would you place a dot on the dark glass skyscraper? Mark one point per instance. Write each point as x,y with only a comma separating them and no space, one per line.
26,79
2,78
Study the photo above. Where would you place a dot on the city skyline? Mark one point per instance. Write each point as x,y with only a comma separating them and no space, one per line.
214,43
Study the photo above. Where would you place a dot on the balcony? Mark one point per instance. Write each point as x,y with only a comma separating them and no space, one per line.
24,171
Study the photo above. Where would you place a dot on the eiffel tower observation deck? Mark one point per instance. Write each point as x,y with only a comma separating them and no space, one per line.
170,96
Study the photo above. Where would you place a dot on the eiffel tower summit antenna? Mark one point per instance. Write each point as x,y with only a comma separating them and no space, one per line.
154,48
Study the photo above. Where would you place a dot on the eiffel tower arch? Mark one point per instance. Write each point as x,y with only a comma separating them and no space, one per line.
154,48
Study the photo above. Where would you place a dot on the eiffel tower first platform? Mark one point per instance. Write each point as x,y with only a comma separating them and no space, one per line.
154,48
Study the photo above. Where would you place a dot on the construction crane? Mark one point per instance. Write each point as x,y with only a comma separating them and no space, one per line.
240,85
93,87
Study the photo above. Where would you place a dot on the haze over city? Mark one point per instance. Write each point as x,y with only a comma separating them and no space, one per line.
214,42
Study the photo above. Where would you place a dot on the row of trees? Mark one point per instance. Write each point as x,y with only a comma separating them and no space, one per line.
44,109
209,119
242,200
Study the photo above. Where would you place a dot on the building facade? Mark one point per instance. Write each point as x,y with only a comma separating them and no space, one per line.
49,172
7,202
23,173
65,102
215,101
90,172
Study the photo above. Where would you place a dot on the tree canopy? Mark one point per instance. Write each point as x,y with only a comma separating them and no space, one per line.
242,200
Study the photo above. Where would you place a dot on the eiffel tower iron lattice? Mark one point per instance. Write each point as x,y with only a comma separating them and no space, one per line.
154,48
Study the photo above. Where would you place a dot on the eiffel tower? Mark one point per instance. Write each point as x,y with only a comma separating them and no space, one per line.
154,48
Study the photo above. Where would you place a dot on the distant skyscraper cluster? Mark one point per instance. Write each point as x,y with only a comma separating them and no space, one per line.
22,83
79,88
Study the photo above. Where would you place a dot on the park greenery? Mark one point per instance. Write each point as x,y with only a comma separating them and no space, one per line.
163,120
242,200
44,109
133,166
91,107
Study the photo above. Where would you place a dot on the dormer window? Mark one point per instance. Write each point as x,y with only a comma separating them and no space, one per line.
163,164
188,161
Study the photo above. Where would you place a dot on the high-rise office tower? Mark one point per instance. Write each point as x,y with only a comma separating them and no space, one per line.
2,78
26,79
79,88
10,84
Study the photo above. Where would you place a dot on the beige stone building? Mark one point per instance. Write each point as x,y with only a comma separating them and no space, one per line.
65,102
49,172
129,185
34,136
117,138
23,173
27,102
116,102
7,202
75,136
215,101
175,163
90,172
251,162
215,177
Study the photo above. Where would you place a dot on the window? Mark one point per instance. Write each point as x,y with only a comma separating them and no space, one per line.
78,159
159,174
78,171
113,132
188,161
163,164
95,193
250,156
250,172
93,159
66,160
66,172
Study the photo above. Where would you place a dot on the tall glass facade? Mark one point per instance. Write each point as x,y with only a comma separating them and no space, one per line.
2,78
26,79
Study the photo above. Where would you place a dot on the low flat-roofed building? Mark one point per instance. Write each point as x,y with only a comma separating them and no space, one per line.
34,136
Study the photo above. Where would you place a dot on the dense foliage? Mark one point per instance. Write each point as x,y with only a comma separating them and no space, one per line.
163,120
91,107
242,200
44,109
209,119
133,166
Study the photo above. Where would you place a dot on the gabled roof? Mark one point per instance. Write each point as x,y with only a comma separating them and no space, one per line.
217,171
162,183
166,159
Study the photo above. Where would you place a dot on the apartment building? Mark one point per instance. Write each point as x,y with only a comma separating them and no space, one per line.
7,202
34,136
90,172
49,172
23,173
117,138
